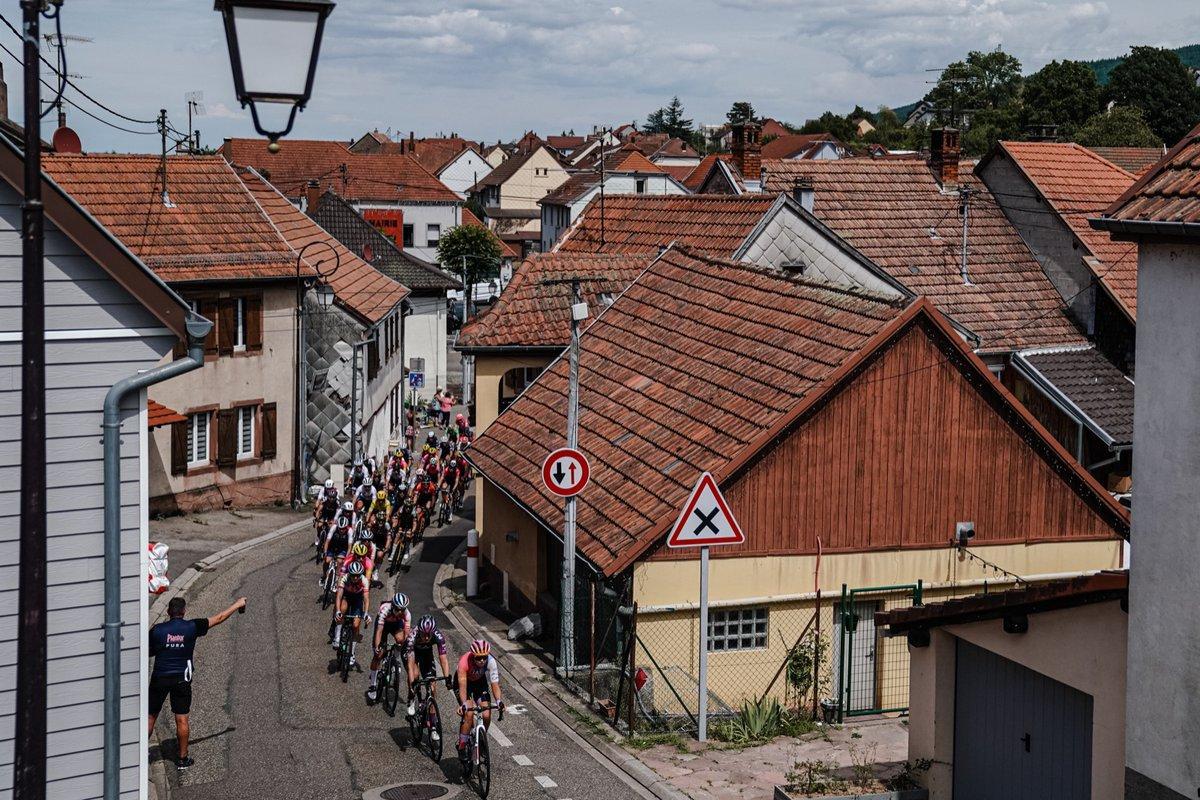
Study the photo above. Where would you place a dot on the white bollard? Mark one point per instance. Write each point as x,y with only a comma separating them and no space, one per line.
472,562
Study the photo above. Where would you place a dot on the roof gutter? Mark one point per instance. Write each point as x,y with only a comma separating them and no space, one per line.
197,328
1061,400
1140,227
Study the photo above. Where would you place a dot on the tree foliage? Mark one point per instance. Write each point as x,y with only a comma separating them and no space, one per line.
984,80
473,245
741,111
839,127
670,120
1062,93
1155,81
1122,126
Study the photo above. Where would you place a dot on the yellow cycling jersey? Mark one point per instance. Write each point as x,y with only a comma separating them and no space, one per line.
380,507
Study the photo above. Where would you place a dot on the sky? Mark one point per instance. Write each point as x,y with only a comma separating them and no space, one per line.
492,69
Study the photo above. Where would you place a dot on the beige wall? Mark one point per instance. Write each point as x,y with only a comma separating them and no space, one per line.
512,542
1081,647
268,376
525,187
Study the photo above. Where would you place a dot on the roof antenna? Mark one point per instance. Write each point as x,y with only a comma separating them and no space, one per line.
162,169
602,155
964,197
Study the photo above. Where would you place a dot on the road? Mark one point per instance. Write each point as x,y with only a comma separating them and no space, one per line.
270,719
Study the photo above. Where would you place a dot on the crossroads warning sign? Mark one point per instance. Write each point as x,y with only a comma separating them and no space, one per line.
706,519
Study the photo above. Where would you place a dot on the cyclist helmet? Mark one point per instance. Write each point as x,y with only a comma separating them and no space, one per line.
358,462
400,600
347,506
420,473
329,483
356,569
365,535
359,549
408,501
480,649
426,625
381,495
454,463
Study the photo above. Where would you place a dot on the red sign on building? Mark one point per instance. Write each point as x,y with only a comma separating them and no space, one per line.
388,221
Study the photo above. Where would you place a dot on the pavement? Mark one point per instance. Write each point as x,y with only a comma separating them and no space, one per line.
192,537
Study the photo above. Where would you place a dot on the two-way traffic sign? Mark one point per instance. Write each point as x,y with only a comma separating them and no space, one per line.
705,519
565,472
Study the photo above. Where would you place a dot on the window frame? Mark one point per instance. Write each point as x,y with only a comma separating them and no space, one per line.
429,229
247,421
639,185
193,437
728,632
408,235
239,324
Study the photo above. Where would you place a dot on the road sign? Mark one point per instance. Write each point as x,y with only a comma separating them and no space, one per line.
705,519
565,472
416,380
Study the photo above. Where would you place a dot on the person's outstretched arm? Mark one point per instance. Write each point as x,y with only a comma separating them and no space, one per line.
227,613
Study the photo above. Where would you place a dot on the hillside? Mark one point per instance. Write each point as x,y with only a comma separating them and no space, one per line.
1189,55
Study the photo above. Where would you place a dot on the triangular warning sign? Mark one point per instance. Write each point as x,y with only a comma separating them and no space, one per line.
705,519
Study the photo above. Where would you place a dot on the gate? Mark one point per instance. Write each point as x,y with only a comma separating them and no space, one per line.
871,670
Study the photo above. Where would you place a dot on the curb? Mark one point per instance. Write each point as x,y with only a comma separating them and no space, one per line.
609,755
159,784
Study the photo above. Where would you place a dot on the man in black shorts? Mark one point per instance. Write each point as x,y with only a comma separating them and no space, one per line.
172,644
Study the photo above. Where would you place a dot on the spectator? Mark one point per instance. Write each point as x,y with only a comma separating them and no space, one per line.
447,403
435,407
172,644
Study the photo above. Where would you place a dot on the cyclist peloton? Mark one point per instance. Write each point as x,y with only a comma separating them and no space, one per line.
393,619
353,597
477,681
424,637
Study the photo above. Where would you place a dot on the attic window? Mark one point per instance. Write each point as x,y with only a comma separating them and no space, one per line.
794,268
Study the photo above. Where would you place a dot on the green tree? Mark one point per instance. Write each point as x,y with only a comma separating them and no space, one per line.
1062,93
984,80
670,120
835,124
989,126
472,252
1122,126
1157,82
741,111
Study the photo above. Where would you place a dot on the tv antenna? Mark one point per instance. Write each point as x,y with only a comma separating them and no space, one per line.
195,105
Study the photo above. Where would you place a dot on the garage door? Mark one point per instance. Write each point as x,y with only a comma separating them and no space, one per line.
1018,735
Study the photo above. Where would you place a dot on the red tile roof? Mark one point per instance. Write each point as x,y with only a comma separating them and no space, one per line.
158,415
1166,199
469,218
380,177
679,172
895,213
1078,184
358,287
716,224
1131,159
530,315
565,142
627,161
791,145
695,341
213,229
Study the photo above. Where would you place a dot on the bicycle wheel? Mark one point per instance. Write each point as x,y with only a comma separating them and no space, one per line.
483,772
391,690
434,726
344,655
414,723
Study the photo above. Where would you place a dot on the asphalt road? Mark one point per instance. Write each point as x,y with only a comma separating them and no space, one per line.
271,720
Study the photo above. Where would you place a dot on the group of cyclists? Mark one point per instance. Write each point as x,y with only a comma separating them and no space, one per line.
379,514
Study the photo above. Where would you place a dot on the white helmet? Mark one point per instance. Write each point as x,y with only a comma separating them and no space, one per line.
347,506
358,462
329,483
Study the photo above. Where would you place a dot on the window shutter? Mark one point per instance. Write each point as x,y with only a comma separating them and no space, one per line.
208,309
268,430
373,358
227,437
226,326
254,323
179,454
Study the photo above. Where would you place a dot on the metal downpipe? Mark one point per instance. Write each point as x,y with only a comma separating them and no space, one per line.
197,328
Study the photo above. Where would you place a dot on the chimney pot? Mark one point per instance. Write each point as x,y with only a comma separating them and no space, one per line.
802,193
747,150
312,197
943,156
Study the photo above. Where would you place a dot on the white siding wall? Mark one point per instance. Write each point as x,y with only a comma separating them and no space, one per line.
421,216
425,337
80,369
464,172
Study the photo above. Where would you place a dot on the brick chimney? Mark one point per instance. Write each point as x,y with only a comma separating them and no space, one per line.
943,157
312,197
747,150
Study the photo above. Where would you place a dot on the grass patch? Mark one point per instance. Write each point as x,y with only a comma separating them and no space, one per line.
644,741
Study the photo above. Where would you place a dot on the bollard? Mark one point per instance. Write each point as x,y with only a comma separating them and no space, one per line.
472,562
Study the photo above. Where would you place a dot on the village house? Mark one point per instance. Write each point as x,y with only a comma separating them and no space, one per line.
393,191
776,385
664,150
423,339
805,146
625,171
454,161
108,317
510,193
1134,160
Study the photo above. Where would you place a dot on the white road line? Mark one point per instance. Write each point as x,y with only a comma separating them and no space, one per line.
523,761
545,782
499,736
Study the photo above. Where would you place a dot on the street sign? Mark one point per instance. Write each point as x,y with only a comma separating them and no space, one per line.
705,519
416,380
565,472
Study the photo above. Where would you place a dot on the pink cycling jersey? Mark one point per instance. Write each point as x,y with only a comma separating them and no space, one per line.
477,672
350,558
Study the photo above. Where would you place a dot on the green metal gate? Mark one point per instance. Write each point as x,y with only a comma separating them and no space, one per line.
871,670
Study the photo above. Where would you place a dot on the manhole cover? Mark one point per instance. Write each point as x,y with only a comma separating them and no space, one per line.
415,791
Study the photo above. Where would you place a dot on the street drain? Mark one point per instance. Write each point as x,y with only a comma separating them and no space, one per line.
414,791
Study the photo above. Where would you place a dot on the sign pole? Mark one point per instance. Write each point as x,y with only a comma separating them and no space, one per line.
566,657
702,734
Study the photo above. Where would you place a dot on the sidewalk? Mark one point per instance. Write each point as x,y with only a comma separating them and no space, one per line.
687,768
192,537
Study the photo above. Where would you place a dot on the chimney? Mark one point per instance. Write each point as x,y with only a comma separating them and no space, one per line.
943,157
747,150
802,193
3,95
412,142
312,197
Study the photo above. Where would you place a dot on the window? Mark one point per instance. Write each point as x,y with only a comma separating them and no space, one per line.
514,382
433,233
737,629
197,439
408,236
239,322
245,447
641,185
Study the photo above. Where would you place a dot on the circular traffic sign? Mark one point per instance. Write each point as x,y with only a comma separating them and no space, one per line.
565,472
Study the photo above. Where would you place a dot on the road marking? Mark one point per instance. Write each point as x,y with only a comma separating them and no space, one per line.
545,782
499,736
516,709
523,761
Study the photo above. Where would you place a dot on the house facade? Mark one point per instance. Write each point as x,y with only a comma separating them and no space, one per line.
511,192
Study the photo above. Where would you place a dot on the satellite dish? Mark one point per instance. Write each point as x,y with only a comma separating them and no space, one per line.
67,141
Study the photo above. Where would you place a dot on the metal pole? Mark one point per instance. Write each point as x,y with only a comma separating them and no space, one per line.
354,405
298,447
567,633
703,682
630,719
29,770
966,213
462,358
592,645
817,658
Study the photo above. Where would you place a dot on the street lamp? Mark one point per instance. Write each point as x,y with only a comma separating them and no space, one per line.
273,48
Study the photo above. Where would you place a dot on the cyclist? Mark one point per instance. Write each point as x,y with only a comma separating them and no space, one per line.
367,540
380,507
426,492
358,475
326,508
364,495
392,620
424,637
406,520
445,448
337,540
353,599
452,479
477,681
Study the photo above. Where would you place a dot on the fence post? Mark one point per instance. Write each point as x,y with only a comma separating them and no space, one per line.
632,664
917,595
841,701
817,659
592,645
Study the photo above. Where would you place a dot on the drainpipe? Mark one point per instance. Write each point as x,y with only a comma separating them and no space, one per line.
355,409
197,328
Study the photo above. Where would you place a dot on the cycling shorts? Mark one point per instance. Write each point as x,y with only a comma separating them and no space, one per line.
425,662
354,605
177,687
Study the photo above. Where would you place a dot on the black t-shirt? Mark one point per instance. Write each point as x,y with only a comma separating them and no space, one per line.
172,644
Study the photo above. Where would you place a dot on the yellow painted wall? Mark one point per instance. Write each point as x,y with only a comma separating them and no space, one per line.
527,185
521,559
